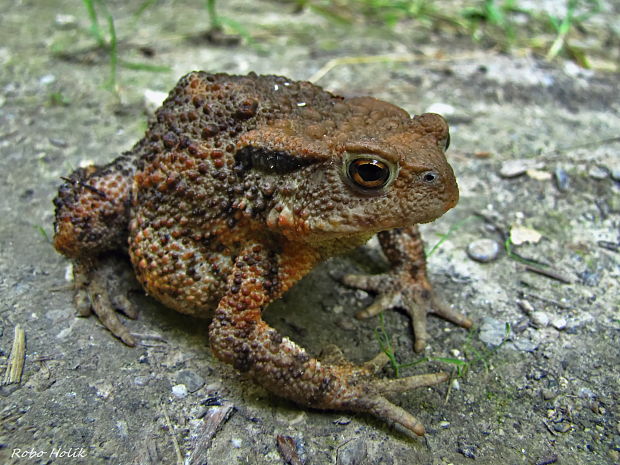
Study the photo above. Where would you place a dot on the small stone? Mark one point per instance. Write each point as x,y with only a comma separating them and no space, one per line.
514,168
153,100
199,411
562,180
180,391
47,79
440,108
190,379
598,172
492,331
525,345
539,175
561,427
522,234
342,421
468,450
547,394
456,385
559,323
540,319
586,393
346,323
615,174
547,460
521,325
57,142
121,426
444,424
141,380
352,453
236,443
526,306
65,21
483,250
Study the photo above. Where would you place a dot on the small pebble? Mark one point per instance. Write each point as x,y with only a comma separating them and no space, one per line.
562,179
526,306
455,384
197,412
236,443
444,109
598,172
547,394
514,168
547,460
492,331
353,453
141,380
561,427
523,344
180,391
615,174
521,325
65,21
539,175
468,450
190,379
559,323
347,323
522,234
586,393
444,424
47,79
121,426
153,100
60,143
483,250
540,319
342,421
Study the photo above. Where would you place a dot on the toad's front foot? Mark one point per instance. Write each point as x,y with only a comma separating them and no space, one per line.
398,290
96,283
406,285
359,390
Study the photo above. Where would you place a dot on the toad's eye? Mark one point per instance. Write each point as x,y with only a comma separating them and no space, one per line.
368,173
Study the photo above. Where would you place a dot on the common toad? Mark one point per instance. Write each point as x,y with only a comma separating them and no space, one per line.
240,186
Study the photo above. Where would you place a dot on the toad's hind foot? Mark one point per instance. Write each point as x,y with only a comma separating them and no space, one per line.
96,283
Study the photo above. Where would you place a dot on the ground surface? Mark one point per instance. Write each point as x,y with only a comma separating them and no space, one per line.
549,394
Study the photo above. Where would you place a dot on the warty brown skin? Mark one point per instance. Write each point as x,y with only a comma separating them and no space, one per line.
240,186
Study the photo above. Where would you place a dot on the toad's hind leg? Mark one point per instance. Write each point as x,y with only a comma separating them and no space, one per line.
406,285
92,217
239,336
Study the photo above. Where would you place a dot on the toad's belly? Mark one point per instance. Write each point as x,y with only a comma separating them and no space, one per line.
182,273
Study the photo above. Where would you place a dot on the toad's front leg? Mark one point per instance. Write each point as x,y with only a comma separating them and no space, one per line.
239,336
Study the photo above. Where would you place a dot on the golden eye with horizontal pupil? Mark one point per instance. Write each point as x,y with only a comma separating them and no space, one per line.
368,173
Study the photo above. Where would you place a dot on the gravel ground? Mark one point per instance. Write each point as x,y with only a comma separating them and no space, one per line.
535,149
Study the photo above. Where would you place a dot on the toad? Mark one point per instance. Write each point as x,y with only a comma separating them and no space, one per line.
240,186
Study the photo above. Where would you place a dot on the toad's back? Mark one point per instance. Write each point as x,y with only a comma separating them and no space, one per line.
194,207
